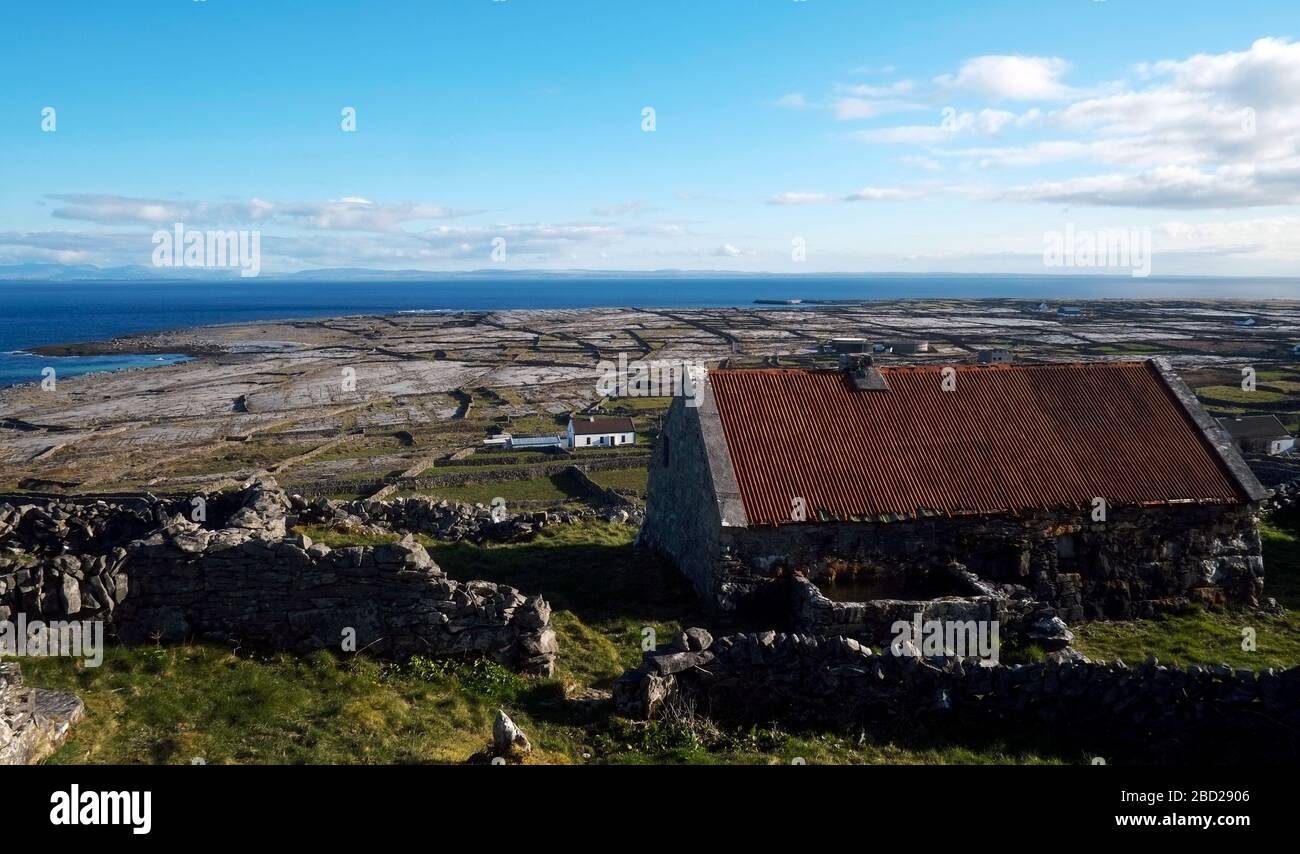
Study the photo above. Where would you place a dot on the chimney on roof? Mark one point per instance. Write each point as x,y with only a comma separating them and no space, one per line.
862,370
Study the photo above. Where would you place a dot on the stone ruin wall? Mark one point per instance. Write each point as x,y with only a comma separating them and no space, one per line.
1139,562
244,579
1110,709
1020,619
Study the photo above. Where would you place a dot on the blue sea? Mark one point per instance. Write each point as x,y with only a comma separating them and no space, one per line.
33,313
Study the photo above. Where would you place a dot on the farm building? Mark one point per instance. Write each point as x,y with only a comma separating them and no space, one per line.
1259,434
995,356
847,345
601,432
1100,489
535,443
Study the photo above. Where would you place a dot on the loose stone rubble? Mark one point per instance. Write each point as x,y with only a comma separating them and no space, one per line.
1019,616
508,740
33,721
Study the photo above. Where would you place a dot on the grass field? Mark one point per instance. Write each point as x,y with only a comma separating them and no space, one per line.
631,478
548,488
1263,395
171,704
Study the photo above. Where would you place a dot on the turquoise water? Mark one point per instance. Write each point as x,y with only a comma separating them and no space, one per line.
26,368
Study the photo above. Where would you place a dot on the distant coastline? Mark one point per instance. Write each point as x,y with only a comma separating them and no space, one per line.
108,324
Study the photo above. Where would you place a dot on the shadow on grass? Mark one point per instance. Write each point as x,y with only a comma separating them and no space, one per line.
1281,535
602,579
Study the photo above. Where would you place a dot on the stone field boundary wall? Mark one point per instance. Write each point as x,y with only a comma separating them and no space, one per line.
1107,709
243,579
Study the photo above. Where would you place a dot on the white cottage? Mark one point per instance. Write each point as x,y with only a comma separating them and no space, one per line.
601,432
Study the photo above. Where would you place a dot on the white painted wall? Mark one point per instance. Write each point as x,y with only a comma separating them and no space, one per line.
599,440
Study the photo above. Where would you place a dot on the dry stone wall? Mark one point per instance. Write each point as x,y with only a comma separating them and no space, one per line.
1108,709
245,579
1137,563
451,521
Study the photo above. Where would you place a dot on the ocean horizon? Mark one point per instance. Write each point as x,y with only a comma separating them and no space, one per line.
41,313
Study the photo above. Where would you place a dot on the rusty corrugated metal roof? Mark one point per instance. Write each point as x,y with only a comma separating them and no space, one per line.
1009,438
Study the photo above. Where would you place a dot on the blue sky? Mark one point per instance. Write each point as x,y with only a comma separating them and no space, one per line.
919,136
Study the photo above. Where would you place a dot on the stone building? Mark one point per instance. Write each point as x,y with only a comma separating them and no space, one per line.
1259,434
1098,489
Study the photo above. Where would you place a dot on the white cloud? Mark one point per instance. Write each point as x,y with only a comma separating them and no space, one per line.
866,194
1234,186
951,124
1012,78
1272,237
1267,75
889,90
799,199
350,213
863,108
878,194
793,101
1212,131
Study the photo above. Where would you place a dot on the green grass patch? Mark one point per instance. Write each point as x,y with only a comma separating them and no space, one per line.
173,704
1214,636
549,488
633,479
1196,636
1228,394
637,404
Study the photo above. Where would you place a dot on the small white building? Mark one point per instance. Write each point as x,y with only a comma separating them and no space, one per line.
846,345
601,432
995,356
1259,434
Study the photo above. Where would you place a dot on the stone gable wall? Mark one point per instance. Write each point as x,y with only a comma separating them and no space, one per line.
682,520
